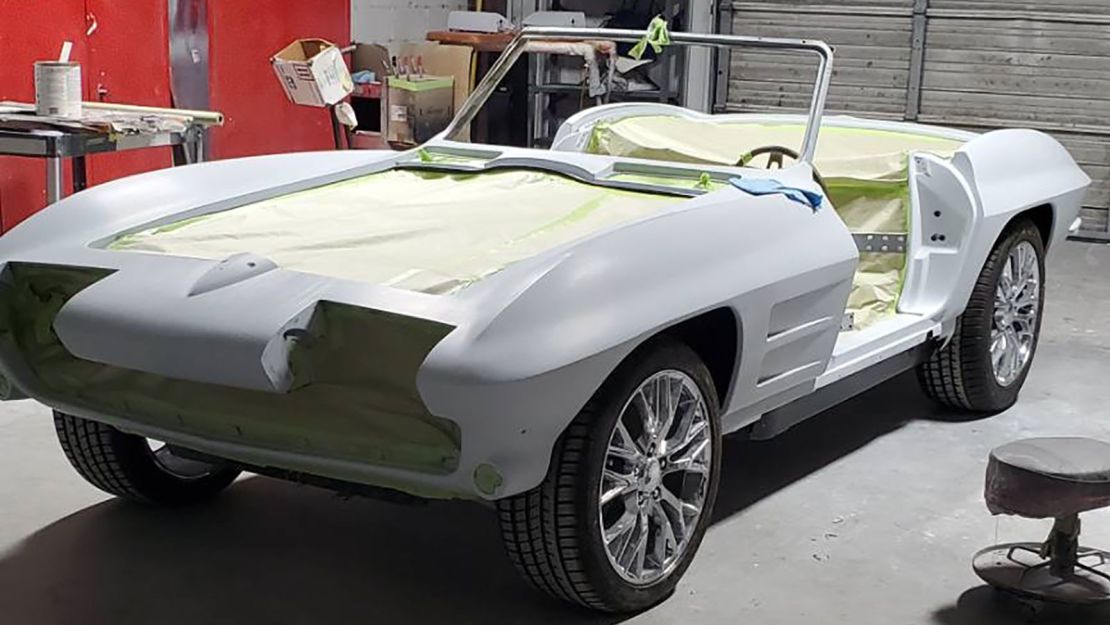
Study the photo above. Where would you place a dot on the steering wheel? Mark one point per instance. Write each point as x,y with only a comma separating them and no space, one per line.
775,155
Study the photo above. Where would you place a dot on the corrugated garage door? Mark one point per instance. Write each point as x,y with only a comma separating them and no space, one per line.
976,64
872,41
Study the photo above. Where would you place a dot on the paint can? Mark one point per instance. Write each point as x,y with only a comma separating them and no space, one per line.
58,89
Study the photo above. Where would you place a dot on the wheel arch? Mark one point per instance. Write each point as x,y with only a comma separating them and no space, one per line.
1042,216
715,336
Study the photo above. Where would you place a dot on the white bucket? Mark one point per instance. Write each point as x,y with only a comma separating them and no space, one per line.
58,89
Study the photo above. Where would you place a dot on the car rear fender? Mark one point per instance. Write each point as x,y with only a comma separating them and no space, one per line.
962,208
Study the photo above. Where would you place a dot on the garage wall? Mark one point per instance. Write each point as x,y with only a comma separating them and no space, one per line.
393,21
976,64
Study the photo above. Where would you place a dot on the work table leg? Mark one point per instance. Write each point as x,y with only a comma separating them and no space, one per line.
80,174
53,179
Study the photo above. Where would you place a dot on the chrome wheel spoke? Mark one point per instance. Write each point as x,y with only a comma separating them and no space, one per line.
647,415
620,532
671,394
1026,296
635,551
622,445
689,424
998,346
693,429
667,540
1012,352
1006,280
647,512
691,461
1026,319
692,454
1017,303
619,484
628,455
680,510
1028,263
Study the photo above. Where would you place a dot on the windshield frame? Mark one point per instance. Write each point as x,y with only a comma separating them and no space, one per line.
519,46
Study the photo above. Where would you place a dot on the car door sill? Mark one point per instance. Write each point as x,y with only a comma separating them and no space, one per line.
858,350
832,394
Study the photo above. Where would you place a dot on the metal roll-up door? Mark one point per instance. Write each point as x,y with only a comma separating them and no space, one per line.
975,64
1044,65
872,41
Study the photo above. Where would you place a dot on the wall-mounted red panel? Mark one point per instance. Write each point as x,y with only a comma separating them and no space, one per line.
128,57
242,38
29,32
120,45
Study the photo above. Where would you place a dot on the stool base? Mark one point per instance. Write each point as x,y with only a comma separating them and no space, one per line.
1019,568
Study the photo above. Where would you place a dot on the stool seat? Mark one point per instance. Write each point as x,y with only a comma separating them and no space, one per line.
1042,478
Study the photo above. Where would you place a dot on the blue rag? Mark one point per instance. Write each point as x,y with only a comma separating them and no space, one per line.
364,77
766,186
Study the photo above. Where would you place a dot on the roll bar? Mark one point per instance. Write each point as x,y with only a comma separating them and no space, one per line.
518,46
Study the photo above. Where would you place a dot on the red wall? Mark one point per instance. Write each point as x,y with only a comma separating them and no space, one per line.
243,36
128,53
23,40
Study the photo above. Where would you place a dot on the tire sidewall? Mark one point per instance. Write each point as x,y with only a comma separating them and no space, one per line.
660,356
123,464
976,329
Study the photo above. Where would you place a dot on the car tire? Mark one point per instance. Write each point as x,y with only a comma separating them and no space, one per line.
125,465
966,374
554,533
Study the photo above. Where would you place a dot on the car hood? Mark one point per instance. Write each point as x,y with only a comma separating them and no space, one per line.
430,231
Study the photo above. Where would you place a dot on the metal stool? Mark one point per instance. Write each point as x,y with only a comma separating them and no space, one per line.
1049,478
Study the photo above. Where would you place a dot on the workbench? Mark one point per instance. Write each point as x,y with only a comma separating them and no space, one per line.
33,137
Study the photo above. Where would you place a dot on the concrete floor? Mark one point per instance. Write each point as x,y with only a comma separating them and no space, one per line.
868,514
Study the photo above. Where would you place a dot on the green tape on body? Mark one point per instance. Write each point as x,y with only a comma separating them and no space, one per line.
344,406
432,231
866,172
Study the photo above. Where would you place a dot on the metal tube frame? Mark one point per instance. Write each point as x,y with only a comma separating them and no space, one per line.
519,46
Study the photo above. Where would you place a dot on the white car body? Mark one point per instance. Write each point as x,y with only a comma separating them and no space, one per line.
525,348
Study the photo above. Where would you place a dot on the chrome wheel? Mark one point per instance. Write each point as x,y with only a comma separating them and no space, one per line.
181,468
1017,303
656,477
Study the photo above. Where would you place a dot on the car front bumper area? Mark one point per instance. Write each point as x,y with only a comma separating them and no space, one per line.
347,409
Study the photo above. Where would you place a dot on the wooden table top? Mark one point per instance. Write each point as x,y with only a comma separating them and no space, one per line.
481,42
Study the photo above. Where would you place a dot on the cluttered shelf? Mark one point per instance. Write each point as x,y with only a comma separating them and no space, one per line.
404,94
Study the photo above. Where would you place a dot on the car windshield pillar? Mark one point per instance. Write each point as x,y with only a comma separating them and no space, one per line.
519,46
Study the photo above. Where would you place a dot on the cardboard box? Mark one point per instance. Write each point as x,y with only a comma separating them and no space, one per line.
418,107
373,57
312,72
